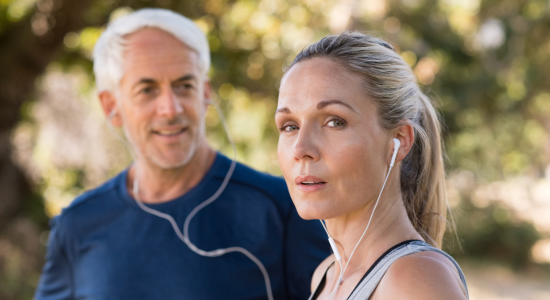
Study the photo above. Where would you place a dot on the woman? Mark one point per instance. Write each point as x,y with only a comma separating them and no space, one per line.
348,104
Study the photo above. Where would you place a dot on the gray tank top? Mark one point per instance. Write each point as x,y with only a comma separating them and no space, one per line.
370,280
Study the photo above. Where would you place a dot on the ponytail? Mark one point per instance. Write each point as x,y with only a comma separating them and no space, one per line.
423,177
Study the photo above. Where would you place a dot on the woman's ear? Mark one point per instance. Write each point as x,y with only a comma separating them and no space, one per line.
108,103
405,134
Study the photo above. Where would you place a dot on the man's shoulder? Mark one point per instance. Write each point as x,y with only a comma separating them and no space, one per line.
248,178
93,202
259,180
267,183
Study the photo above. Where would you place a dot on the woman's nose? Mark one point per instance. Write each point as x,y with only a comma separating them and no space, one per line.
305,148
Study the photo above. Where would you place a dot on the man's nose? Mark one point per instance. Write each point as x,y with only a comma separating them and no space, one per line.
305,147
169,105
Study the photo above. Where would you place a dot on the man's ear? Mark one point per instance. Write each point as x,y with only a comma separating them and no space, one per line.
207,92
405,134
109,105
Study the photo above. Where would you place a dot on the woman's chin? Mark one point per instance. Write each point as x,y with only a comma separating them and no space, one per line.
315,211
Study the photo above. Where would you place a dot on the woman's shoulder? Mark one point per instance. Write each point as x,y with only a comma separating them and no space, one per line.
423,275
320,271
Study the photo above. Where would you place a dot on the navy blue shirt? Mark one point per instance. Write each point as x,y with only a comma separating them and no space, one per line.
103,246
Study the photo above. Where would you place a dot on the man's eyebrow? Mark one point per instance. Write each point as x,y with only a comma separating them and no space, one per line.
186,77
145,80
283,110
150,80
326,103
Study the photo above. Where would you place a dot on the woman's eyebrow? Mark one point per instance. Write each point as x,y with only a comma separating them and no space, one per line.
283,110
320,106
326,103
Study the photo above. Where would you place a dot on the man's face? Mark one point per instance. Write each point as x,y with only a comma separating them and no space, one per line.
162,98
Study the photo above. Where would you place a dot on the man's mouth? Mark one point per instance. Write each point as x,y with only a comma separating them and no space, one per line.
171,132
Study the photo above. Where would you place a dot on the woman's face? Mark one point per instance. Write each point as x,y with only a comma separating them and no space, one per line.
332,150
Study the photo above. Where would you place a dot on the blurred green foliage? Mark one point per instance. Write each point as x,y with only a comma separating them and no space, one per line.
486,63
492,234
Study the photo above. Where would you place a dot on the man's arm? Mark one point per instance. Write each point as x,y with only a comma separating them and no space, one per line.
56,280
306,246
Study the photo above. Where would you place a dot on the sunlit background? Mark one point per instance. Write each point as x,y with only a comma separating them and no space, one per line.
485,63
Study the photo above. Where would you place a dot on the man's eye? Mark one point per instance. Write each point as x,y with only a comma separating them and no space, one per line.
147,90
289,128
183,87
335,123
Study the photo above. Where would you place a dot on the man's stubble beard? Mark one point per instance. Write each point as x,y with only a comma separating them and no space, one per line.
153,156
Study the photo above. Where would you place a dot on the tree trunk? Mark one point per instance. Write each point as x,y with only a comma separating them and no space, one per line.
26,48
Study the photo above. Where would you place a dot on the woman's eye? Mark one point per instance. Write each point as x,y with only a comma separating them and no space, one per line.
289,128
335,123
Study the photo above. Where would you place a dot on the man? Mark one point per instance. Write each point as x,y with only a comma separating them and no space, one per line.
151,71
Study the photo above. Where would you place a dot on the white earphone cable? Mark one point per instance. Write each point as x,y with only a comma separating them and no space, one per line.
342,271
325,227
184,237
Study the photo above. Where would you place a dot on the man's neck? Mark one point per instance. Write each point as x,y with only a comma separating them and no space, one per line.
157,185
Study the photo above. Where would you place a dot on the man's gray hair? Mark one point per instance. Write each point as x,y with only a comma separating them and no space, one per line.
109,49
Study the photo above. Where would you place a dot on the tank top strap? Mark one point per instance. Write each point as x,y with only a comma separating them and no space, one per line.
373,277
321,284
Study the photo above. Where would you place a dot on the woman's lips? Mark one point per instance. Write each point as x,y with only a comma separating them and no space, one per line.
309,183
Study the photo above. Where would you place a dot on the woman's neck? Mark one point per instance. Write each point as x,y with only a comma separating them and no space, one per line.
389,226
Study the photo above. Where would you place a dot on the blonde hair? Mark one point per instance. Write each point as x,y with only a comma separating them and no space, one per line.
392,85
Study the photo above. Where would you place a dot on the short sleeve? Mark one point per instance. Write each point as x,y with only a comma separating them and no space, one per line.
56,279
306,247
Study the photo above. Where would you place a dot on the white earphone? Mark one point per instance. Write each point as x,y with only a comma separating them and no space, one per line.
337,255
112,114
397,144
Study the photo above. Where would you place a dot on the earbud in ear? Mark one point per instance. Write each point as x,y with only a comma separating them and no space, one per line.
397,144
112,114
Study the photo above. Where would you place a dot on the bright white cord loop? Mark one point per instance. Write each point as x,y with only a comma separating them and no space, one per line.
184,237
